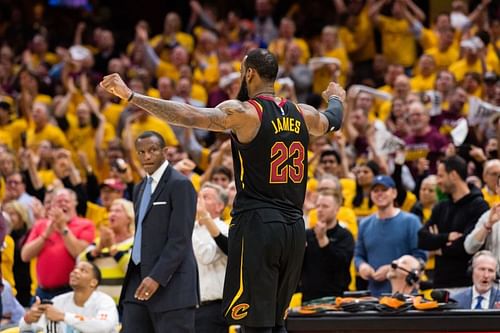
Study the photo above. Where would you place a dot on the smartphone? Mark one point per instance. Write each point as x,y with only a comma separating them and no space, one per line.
46,301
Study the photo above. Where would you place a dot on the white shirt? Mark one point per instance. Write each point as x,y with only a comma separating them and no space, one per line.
211,261
157,175
492,240
98,315
485,303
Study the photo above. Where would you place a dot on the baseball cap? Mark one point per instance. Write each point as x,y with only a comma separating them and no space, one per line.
114,184
383,180
490,77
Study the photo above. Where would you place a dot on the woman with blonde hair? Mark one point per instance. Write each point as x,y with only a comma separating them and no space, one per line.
20,225
111,252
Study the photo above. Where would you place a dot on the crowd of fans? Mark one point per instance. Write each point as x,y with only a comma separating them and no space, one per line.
415,170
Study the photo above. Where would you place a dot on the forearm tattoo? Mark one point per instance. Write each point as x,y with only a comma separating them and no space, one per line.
182,114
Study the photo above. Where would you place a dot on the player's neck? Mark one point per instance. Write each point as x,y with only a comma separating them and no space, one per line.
265,91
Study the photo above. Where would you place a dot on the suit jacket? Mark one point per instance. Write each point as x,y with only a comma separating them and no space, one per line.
464,298
166,248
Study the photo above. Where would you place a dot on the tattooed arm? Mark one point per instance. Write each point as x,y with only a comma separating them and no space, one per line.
229,115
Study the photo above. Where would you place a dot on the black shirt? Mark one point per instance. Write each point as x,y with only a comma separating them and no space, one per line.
325,271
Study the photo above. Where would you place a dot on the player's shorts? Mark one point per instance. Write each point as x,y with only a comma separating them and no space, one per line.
264,266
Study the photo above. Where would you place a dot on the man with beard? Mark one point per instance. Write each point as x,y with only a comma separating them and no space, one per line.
269,141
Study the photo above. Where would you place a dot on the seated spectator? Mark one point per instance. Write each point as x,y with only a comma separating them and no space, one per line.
404,275
329,250
111,252
58,239
482,294
84,309
12,311
20,229
384,237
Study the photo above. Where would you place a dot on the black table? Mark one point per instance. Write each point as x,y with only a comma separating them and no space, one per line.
411,321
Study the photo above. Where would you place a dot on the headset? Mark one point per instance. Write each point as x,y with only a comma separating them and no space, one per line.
412,277
470,265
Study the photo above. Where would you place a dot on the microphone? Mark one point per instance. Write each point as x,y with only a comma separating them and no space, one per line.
395,266
441,296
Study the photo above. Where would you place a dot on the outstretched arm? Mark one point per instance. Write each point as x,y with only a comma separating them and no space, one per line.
240,117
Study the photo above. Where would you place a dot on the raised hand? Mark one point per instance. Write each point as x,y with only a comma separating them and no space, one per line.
334,89
114,84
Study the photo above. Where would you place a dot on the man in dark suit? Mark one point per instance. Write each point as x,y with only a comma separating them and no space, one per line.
482,295
161,291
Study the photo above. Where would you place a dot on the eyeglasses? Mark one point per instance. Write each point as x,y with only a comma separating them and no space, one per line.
14,182
328,161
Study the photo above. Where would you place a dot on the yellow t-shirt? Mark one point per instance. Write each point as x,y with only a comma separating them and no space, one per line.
51,133
461,67
8,262
98,215
444,59
278,47
489,197
112,113
341,54
6,138
363,35
83,139
398,43
154,124
421,84
15,129
182,38
165,68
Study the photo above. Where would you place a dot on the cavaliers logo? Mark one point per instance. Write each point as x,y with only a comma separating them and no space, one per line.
240,311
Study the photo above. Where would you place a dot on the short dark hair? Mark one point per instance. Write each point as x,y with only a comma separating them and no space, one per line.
5,106
457,164
97,272
264,62
148,134
224,171
331,152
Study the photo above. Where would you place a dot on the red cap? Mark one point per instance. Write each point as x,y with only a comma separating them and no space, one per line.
114,184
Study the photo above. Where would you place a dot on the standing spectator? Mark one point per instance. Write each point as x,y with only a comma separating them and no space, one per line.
482,295
424,141
265,29
329,251
398,43
385,236
451,220
160,291
82,309
60,238
211,260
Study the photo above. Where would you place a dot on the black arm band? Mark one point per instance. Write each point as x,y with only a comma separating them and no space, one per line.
334,113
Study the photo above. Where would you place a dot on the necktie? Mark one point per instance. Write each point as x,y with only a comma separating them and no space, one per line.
146,197
479,301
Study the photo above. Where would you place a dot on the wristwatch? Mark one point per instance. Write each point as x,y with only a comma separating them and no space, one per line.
65,231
